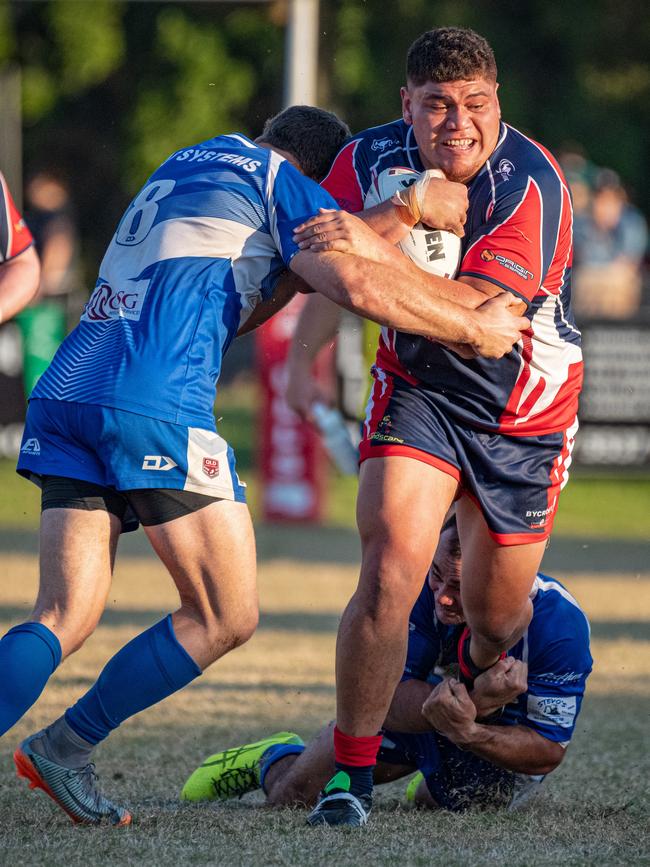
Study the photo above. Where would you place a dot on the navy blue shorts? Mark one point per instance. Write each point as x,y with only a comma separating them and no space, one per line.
515,481
125,451
456,779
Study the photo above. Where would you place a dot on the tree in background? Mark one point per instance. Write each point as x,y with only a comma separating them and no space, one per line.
110,87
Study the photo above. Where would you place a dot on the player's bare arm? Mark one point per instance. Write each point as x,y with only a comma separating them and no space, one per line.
517,748
317,325
498,686
377,292
441,203
343,232
19,279
288,285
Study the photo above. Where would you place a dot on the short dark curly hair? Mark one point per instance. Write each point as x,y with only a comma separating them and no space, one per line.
312,135
449,54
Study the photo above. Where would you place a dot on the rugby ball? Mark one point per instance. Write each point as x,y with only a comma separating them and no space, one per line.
433,250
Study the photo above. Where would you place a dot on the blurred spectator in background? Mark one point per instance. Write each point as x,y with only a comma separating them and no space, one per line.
43,324
610,242
19,269
579,172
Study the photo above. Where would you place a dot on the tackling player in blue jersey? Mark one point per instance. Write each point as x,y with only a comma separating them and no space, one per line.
489,747
121,430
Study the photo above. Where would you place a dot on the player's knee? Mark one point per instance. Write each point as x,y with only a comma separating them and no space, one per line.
72,638
391,579
224,632
244,626
72,624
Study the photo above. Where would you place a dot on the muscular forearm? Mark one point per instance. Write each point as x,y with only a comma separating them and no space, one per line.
381,249
373,290
317,325
18,283
405,712
285,289
384,220
515,748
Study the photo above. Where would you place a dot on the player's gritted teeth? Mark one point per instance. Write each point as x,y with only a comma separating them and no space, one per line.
459,143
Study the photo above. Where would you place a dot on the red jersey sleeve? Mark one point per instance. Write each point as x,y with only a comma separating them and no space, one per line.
15,237
343,181
508,249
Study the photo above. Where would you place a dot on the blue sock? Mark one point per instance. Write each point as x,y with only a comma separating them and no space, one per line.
273,754
145,671
29,653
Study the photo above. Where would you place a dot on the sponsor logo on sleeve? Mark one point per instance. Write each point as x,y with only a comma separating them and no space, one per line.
552,710
510,264
555,677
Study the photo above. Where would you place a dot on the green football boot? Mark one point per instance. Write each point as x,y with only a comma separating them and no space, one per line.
412,787
233,772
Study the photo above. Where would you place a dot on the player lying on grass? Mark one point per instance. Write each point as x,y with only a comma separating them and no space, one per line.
121,429
491,746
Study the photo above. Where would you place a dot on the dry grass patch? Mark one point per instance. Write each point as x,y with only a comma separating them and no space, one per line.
594,810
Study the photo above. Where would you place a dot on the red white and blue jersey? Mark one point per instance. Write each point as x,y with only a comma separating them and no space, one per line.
555,647
15,237
519,237
202,243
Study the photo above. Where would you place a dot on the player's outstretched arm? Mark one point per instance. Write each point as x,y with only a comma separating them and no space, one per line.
317,326
433,200
287,286
19,279
409,302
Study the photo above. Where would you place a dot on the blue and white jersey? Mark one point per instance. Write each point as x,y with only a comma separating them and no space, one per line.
555,648
202,243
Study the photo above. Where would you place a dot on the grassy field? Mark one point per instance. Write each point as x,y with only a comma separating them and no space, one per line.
594,809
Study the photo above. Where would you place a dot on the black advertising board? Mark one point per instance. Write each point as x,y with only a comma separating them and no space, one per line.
615,403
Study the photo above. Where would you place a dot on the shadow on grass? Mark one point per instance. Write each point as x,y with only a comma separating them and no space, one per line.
330,544
317,622
285,621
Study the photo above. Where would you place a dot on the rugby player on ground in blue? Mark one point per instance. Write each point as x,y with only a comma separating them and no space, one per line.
121,430
491,746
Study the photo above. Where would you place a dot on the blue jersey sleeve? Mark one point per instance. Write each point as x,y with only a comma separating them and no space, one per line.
292,199
558,666
424,641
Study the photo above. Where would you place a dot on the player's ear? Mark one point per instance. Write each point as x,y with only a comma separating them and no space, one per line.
406,105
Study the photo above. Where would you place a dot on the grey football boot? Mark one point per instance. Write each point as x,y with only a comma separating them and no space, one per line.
75,790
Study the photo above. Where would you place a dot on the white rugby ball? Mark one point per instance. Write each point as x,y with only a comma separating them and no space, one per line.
433,250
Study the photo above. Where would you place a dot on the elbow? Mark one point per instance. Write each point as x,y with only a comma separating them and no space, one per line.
543,764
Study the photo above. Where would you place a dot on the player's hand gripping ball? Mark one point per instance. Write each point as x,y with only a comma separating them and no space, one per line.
433,250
